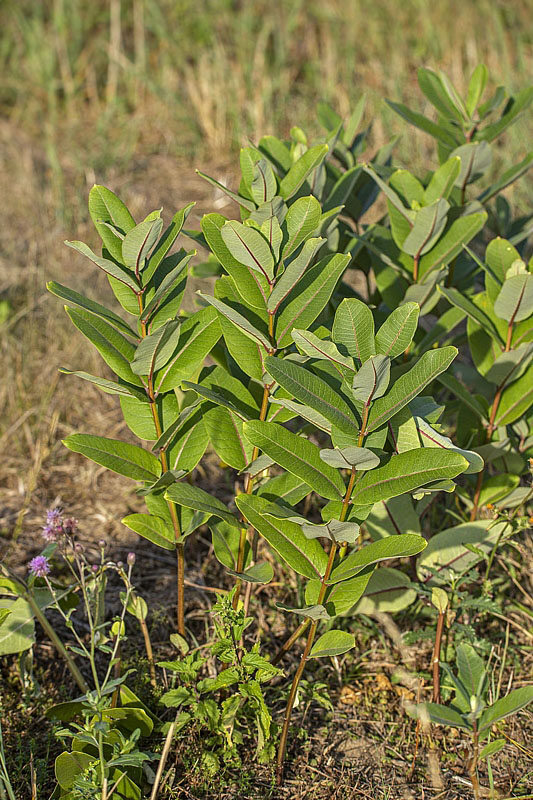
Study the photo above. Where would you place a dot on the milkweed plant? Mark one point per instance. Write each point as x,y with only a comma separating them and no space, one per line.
379,439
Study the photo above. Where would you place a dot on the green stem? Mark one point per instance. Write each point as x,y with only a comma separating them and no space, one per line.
58,644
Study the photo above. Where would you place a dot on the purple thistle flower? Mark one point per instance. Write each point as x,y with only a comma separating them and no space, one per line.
50,533
39,566
53,516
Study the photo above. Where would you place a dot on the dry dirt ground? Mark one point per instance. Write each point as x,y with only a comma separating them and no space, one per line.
362,746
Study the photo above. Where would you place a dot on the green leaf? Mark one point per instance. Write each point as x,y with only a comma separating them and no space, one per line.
515,400
139,416
316,613
122,457
459,233
515,300
262,572
393,198
508,177
308,413
438,714
70,766
407,544
226,435
476,158
322,349
248,246
309,297
492,748
156,350
360,457
17,632
440,94
396,333
447,550
166,241
115,349
442,181
296,455
303,218
506,707
372,380
470,669
353,329
193,497
167,285
405,472
388,590
305,556
252,286
514,107
343,596
509,366
301,170
264,184
428,226
109,387
155,529
238,320
430,438
106,207
90,305
396,516
140,240
292,273
332,643
311,390
119,273
198,335
476,87
248,205
460,391
409,385
439,132
276,152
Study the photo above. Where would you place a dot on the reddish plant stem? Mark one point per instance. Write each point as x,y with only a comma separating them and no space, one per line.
301,667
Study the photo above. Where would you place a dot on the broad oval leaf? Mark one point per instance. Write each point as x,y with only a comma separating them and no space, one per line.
140,240
193,497
155,529
515,300
106,207
296,455
311,390
301,170
396,334
332,643
388,590
198,335
409,385
447,550
122,457
249,247
407,544
353,329
405,472
303,218
305,556
506,706
372,380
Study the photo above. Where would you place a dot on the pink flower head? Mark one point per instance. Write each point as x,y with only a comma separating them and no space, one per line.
39,566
